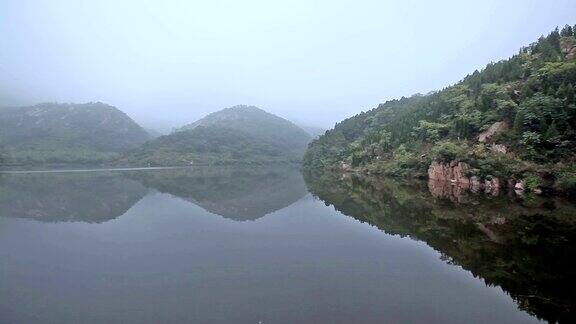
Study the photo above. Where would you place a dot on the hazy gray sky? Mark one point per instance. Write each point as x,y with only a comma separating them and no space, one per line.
167,63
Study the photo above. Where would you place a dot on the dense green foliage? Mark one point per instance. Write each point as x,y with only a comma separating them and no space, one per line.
66,133
239,134
532,93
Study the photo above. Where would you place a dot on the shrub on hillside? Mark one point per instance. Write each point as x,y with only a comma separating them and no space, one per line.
447,151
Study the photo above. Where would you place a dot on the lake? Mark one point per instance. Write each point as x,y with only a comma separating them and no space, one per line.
277,245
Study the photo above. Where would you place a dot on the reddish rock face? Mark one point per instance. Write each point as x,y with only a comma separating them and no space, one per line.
568,47
492,186
454,172
475,184
571,54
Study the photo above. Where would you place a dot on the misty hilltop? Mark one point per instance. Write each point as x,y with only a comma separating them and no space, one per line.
240,134
66,133
256,122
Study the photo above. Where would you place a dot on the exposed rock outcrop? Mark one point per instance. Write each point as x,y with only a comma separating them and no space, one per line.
475,184
568,47
492,186
454,172
345,167
499,148
496,128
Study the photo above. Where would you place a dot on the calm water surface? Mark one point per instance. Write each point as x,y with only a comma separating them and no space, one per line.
269,245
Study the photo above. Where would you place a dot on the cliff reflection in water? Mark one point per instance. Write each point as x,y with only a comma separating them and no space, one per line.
238,193
524,246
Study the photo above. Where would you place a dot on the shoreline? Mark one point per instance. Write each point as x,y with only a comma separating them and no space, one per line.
90,170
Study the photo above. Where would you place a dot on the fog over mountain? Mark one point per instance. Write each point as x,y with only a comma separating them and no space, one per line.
239,134
169,63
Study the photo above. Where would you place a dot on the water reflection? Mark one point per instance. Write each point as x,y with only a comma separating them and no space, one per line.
238,193
168,258
526,247
55,197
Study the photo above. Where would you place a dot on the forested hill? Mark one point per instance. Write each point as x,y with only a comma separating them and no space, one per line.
66,133
515,119
240,134
258,123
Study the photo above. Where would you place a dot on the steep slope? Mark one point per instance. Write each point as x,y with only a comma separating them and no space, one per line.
515,120
67,132
239,134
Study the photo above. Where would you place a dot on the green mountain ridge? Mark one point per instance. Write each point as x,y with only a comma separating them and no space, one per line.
240,134
66,133
256,122
524,108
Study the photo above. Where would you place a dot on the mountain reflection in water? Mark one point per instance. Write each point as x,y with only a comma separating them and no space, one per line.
92,197
306,261
525,246
235,192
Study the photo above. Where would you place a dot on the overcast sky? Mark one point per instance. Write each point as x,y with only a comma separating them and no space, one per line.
167,63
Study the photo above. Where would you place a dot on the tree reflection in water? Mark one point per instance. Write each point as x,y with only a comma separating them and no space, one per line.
525,246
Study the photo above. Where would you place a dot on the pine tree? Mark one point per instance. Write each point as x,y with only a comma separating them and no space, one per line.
527,91
566,31
551,132
569,93
519,122
542,125
554,39
562,91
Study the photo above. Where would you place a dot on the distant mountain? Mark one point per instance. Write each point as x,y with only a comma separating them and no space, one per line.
313,131
153,133
256,122
241,134
56,133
